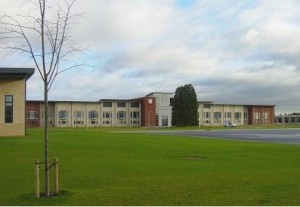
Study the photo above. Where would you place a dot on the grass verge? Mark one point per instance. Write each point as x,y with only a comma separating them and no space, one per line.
98,167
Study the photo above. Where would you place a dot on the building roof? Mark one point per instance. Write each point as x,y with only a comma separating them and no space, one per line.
16,72
151,94
50,101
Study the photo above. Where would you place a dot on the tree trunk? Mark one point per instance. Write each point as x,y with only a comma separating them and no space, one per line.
47,186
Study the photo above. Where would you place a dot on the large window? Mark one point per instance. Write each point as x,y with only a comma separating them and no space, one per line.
9,114
107,117
135,115
256,115
206,115
93,116
228,115
79,116
32,115
63,116
217,117
121,115
237,115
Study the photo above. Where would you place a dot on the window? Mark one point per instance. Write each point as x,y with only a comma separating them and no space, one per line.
171,101
245,115
266,115
228,115
206,115
165,120
134,104
121,115
93,115
135,115
256,115
78,115
63,116
206,106
107,104
217,115
237,115
9,109
121,104
32,115
106,114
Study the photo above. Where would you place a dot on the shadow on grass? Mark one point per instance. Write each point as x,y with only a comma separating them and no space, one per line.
54,199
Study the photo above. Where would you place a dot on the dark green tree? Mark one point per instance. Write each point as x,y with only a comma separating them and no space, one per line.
185,106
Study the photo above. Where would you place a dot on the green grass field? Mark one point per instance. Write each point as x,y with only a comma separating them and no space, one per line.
108,167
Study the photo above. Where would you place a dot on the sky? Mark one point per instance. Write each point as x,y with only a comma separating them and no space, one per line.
232,52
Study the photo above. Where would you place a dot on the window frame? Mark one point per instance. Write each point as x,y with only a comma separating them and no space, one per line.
9,110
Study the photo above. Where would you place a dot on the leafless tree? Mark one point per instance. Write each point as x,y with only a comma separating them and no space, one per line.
46,38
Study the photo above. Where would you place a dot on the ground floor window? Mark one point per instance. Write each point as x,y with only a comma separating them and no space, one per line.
9,114
78,116
164,120
121,116
217,116
63,116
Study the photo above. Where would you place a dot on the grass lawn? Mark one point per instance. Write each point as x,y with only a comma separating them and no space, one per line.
100,167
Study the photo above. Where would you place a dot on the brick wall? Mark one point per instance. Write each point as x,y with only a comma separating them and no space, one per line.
148,112
261,115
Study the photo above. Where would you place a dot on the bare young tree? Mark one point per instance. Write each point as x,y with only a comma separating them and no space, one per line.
45,38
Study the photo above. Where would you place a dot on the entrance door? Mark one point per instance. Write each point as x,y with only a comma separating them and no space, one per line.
165,120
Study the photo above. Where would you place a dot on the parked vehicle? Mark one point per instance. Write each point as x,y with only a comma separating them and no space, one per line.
229,124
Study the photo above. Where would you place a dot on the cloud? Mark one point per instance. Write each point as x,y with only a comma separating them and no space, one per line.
231,51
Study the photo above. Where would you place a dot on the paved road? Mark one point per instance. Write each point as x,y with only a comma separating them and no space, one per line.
284,136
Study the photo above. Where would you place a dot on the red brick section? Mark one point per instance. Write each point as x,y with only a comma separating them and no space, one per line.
261,110
148,112
33,106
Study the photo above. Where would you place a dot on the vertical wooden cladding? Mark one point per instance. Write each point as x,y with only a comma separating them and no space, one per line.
33,114
261,115
148,111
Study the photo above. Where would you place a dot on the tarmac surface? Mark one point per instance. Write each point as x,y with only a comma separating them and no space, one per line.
283,136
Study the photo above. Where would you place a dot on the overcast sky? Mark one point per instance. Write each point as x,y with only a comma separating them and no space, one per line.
239,52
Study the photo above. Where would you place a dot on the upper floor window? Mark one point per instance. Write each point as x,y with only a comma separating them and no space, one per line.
121,104
107,104
134,104
9,109
206,106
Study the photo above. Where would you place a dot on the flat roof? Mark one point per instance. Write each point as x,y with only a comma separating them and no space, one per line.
42,101
150,94
16,72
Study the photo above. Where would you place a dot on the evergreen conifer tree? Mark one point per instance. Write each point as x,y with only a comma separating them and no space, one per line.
185,106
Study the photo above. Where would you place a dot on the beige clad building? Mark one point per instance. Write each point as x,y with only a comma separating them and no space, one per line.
102,113
211,114
12,100
155,109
